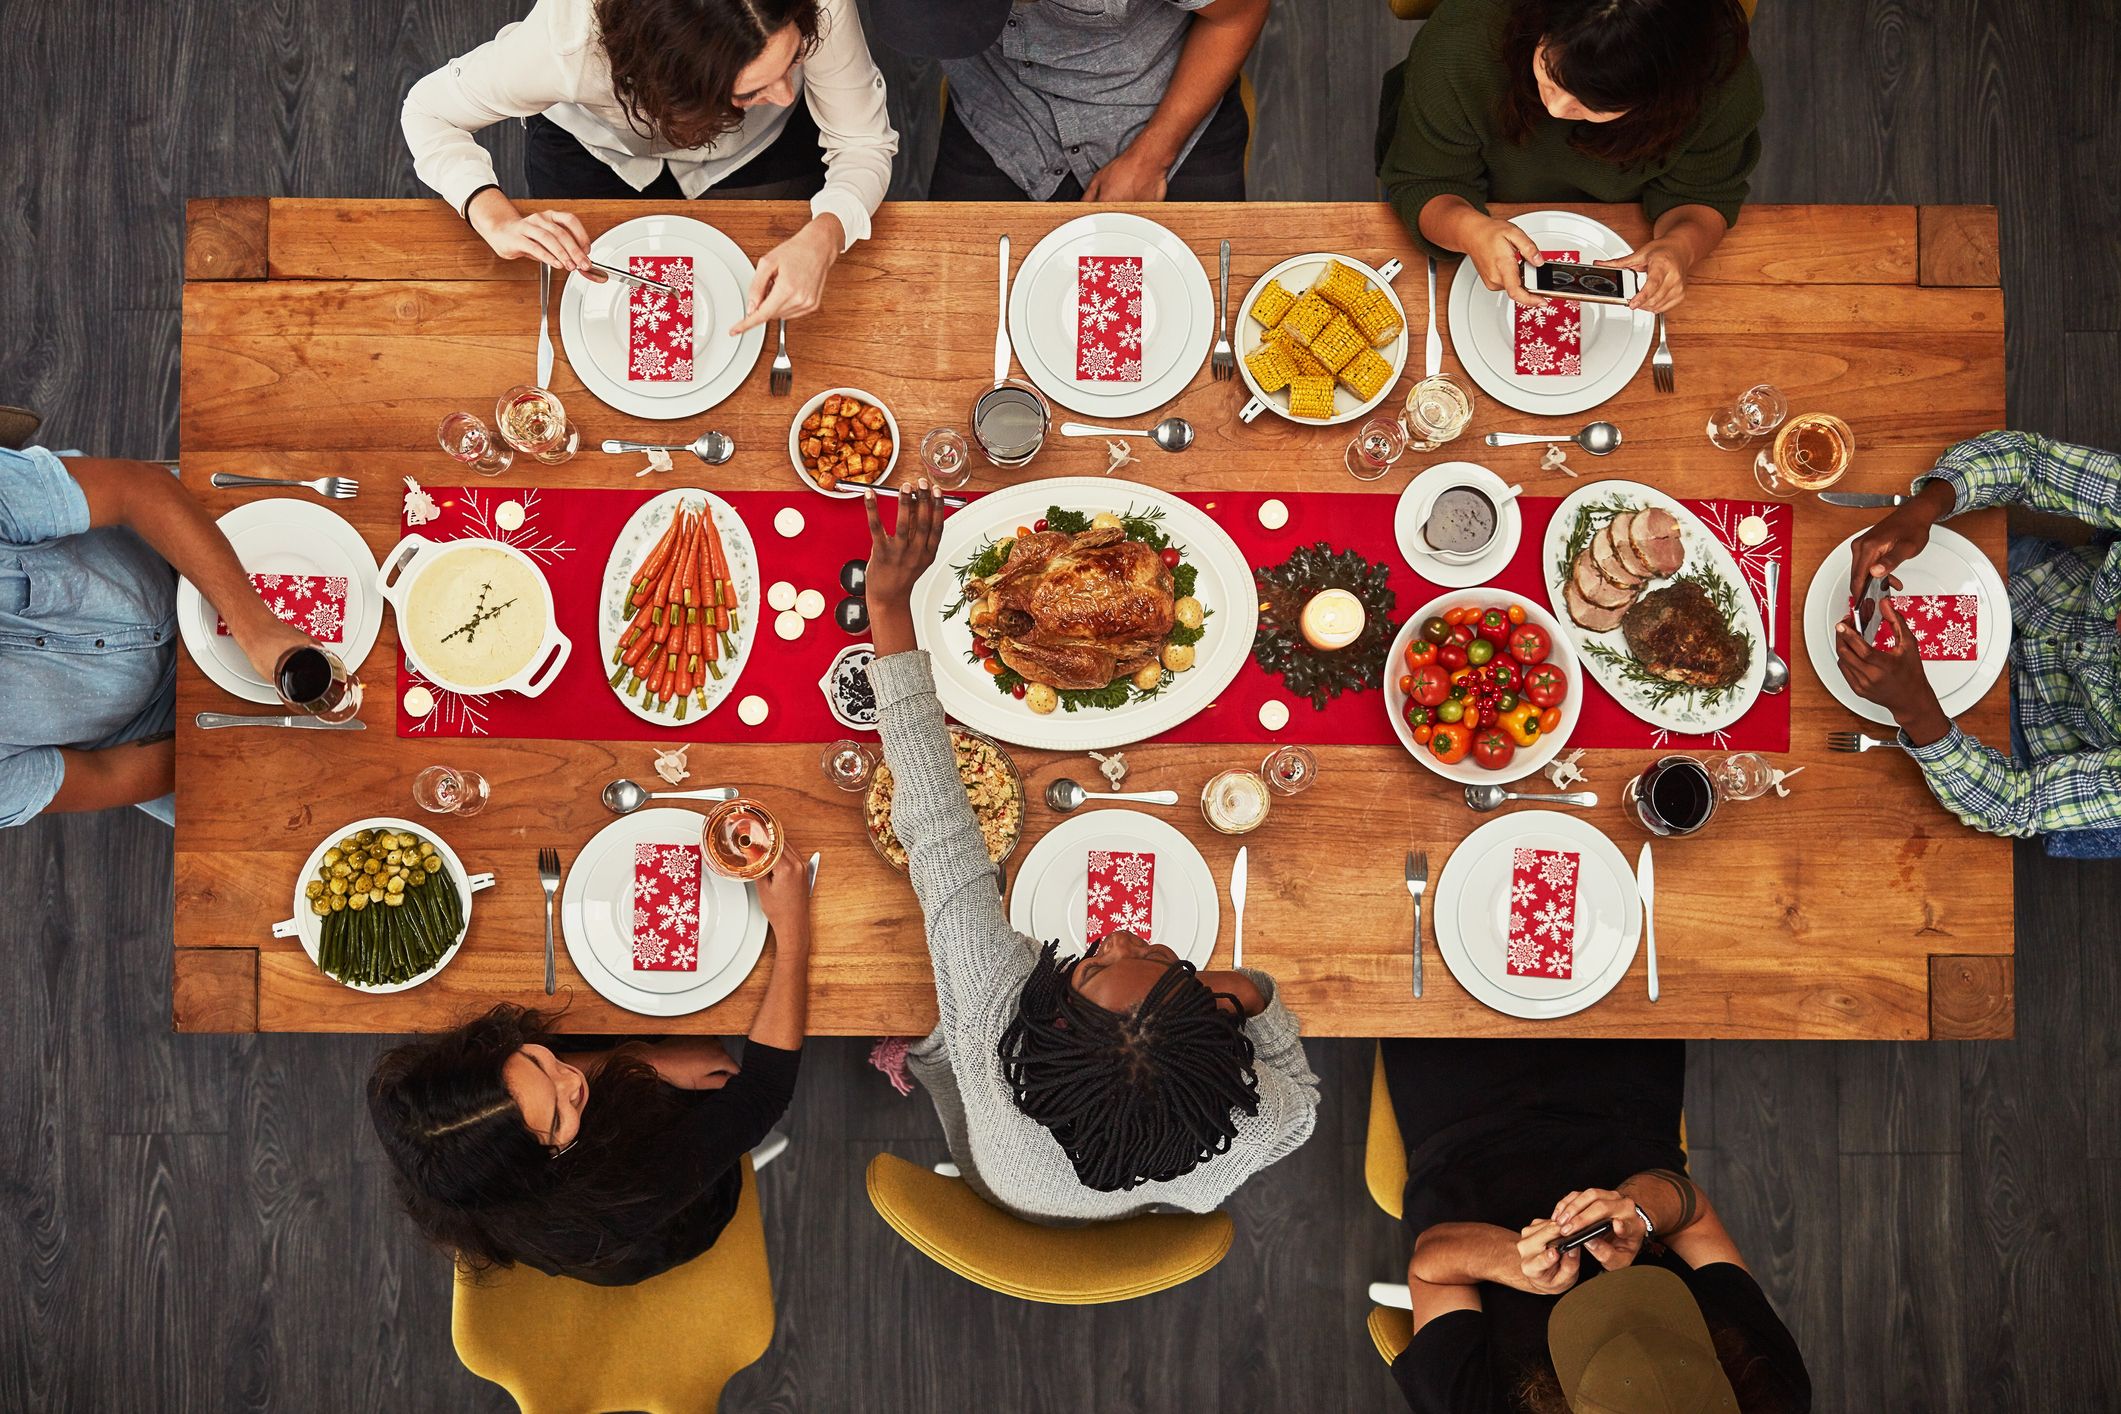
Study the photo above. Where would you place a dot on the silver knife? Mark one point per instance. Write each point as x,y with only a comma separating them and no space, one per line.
1237,906
632,279
811,882
1432,351
1860,499
1001,321
209,720
544,331
1646,884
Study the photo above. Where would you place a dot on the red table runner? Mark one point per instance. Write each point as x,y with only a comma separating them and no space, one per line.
569,532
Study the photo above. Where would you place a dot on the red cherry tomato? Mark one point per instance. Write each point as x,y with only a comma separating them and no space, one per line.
1545,686
1517,613
1455,617
1429,684
1170,557
1452,655
1039,524
1017,691
983,648
1423,734
1493,748
1529,643
1550,721
1461,635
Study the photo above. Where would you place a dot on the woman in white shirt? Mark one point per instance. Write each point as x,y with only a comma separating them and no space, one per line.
670,98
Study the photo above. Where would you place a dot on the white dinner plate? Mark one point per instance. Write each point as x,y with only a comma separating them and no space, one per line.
596,916
1949,564
308,927
1616,339
1224,588
1048,899
636,539
1473,906
1296,274
1178,313
593,319
280,535
1682,711
1413,509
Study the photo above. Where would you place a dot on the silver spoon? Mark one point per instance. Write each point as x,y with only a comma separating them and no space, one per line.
1597,439
1776,677
1173,434
1489,797
1065,795
623,797
713,448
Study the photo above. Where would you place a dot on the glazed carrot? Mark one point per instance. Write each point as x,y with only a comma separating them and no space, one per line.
659,596
654,563
670,610
724,590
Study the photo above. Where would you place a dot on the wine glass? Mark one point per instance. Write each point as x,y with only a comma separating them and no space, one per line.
466,439
533,420
848,764
1290,770
1810,453
447,790
1743,775
315,680
947,457
1757,411
1376,447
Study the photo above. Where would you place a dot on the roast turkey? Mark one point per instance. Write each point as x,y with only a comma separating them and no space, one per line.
1075,611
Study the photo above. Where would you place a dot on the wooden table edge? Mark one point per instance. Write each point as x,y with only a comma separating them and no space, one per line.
214,990
1973,997
227,237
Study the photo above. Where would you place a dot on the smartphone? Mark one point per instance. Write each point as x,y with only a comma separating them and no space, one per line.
1576,1239
1593,284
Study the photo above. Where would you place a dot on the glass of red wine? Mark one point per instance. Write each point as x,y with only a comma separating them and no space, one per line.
1674,797
313,680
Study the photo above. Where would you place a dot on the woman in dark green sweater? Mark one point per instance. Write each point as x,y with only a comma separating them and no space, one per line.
1580,101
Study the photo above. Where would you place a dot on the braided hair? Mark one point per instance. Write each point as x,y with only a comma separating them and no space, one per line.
1143,1096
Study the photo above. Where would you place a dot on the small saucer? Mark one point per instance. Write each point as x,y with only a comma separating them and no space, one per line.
1413,510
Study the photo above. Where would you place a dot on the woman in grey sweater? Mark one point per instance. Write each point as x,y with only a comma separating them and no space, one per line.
1070,1089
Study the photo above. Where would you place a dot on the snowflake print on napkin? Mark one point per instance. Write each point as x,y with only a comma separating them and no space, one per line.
1542,940
1120,894
1947,627
1549,341
315,604
666,907
659,327
1108,318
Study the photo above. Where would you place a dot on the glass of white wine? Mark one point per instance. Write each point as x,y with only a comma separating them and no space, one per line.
1810,453
534,422
1758,411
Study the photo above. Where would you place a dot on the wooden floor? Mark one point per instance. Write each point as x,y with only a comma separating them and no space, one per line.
201,1223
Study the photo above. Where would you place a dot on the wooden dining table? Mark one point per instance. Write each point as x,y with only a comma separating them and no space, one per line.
331,336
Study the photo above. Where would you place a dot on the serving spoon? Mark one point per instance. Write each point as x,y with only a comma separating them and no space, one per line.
1173,434
1489,797
1776,676
623,797
713,448
1597,439
1065,795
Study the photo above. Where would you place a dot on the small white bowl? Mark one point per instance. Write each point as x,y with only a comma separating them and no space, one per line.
1528,760
795,438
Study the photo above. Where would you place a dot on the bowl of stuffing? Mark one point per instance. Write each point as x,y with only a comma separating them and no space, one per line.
992,783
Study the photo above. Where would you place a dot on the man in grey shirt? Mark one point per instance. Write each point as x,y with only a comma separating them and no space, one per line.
1092,100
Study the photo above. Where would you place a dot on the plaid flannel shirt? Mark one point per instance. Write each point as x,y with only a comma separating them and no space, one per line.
2065,650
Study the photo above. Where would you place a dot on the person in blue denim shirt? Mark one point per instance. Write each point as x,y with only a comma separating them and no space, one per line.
90,551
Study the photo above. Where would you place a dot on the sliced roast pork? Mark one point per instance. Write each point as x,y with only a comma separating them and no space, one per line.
1655,533
1605,555
1624,546
1596,588
1593,618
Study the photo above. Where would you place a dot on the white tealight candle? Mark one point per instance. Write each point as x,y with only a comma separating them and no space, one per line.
1333,619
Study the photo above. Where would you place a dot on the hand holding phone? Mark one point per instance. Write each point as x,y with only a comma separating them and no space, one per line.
1577,1239
1587,284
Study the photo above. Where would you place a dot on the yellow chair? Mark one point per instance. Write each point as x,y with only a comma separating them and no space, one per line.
1391,1331
664,1346
1066,1266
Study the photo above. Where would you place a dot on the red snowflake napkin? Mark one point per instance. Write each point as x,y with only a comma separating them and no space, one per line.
1947,627
1542,939
666,907
1108,318
315,604
1550,340
1120,893
659,326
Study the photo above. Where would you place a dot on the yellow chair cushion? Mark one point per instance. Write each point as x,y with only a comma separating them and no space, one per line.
665,1346
1067,1266
1384,1158
1391,1330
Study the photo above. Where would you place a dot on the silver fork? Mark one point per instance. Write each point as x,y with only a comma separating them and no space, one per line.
1661,361
331,488
783,377
1857,741
1417,885
1223,362
549,880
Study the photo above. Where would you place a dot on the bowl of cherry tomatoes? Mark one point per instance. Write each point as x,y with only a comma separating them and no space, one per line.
1483,688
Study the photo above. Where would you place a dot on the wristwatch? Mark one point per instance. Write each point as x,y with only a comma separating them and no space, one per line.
1649,1229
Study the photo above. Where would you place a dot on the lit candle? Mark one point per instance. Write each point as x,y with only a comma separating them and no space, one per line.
1333,619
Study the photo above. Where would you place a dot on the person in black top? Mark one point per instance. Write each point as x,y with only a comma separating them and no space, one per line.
608,1166
1512,1145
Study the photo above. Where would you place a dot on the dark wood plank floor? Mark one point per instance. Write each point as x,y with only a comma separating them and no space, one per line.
200,1223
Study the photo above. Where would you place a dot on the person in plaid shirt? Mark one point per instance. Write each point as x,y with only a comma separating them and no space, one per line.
2062,777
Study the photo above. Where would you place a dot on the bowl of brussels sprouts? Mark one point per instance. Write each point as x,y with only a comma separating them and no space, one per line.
382,905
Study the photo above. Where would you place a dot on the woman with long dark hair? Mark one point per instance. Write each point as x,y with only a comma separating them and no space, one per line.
1654,101
1073,1089
606,1166
668,99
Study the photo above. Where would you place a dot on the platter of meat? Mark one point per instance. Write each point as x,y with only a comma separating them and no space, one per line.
1079,613
1655,606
